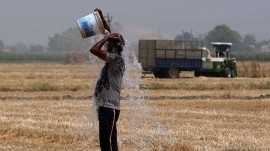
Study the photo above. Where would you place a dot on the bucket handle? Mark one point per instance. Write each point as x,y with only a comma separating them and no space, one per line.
99,22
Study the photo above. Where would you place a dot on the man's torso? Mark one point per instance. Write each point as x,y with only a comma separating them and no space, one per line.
108,87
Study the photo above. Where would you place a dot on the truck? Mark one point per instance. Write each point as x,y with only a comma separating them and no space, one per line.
221,65
167,58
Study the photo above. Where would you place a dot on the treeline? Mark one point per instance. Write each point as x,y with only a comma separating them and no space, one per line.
32,56
62,57
223,33
243,48
69,40
251,55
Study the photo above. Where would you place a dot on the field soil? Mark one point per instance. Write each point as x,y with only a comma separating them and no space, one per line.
49,107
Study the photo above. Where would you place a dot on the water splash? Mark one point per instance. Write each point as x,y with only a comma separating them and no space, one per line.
144,127
137,113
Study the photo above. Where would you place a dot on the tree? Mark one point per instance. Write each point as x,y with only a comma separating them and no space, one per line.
223,33
184,36
19,47
55,43
249,42
1,45
36,48
263,45
69,40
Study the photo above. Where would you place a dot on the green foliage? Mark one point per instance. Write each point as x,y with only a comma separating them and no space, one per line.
37,56
76,87
199,86
251,55
249,40
1,45
153,86
223,33
42,86
31,56
36,48
267,85
45,86
184,36
4,88
69,40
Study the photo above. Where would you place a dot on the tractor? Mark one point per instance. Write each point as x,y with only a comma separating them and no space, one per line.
219,66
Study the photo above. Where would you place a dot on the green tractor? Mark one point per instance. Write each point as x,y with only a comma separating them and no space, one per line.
219,66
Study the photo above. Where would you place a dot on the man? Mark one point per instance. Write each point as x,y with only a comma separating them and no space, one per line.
107,92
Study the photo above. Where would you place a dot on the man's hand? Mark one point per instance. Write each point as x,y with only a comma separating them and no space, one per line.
113,37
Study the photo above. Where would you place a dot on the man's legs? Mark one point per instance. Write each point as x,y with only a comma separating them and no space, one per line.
107,128
114,132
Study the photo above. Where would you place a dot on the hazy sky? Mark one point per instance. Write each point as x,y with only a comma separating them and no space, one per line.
33,21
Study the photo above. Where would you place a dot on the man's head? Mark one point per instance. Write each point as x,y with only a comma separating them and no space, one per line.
116,45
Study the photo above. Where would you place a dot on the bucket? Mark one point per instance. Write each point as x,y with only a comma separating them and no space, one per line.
91,25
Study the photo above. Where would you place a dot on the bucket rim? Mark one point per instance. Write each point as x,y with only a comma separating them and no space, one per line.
80,29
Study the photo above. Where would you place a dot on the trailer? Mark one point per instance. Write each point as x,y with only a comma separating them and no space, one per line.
167,58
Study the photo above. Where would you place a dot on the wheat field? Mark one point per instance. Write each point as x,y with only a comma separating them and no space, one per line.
48,106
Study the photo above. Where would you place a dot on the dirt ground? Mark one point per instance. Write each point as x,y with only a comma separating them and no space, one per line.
44,107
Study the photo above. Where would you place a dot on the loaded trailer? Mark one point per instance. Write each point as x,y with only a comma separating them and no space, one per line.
167,58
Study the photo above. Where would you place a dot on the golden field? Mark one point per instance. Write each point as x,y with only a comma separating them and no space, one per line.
46,106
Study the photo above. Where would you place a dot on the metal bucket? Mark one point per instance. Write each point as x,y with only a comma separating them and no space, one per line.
91,25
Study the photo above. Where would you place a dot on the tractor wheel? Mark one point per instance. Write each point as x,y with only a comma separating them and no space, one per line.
228,72
234,73
159,74
197,73
173,73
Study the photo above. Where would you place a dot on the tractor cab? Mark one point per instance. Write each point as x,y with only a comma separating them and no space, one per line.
221,65
222,49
